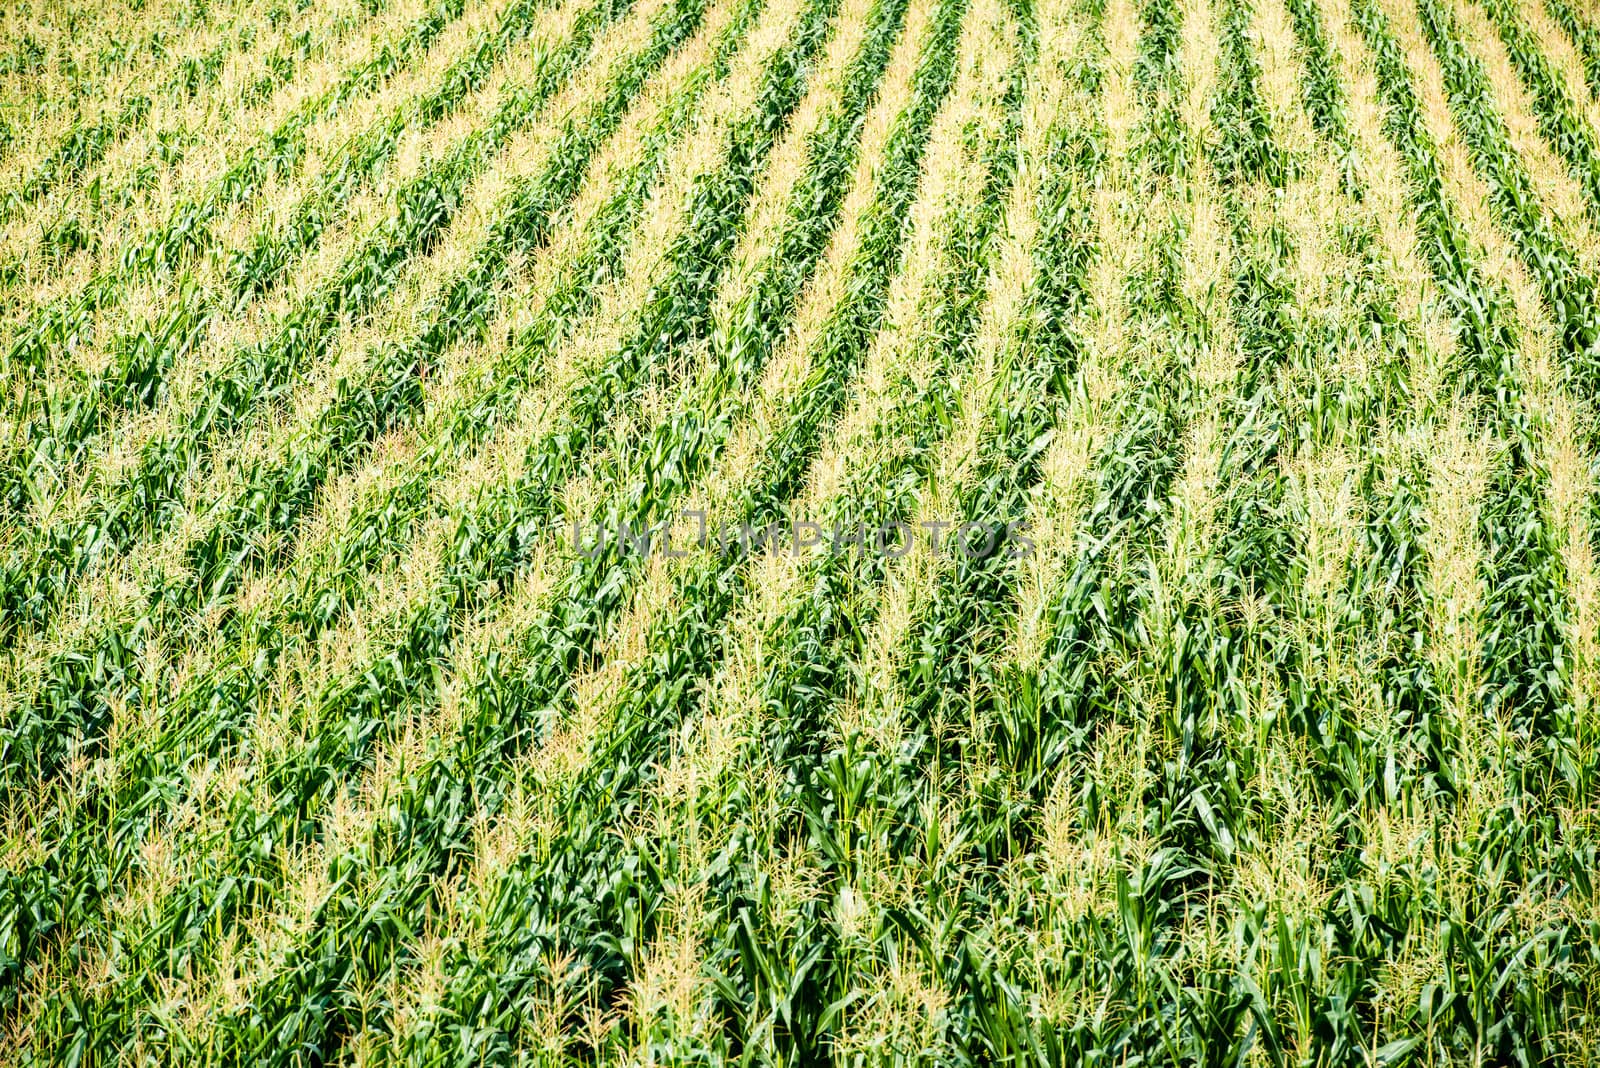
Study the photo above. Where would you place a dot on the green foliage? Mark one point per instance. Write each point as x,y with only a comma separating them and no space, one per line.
74,705
1580,27
1209,795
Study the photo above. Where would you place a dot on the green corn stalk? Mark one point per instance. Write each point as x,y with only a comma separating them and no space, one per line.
1561,123
73,414
214,711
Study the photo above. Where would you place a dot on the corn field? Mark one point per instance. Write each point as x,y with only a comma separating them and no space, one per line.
1258,339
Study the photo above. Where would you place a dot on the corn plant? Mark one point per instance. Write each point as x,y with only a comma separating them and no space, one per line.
368,695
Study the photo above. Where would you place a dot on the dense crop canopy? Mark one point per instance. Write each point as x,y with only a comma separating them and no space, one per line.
800,531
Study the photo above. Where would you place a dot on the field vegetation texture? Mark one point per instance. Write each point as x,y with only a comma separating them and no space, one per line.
1275,742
